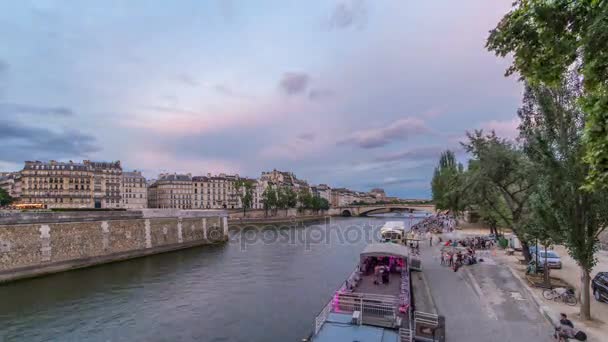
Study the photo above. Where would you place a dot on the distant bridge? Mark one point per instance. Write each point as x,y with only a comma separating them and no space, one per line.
364,210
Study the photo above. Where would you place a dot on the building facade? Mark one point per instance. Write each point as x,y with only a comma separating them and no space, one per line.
217,192
57,184
171,191
378,194
323,191
135,190
107,184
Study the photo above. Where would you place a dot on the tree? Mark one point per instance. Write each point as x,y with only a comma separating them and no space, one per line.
305,198
552,128
245,193
482,197
507,175
549,38
269,199
323,204
445,184
291,197
286,198
5,198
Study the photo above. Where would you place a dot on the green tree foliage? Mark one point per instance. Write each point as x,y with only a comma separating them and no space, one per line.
504,172
270,199
245,193
552,131
549,38
305,198
291,197
286,198
5,198
482,197
446,182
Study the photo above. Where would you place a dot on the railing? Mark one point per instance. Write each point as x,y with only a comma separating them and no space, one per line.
406,335
426,318
379,310
428,327
322,316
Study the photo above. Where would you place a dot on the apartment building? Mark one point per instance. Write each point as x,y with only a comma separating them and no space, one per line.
135,190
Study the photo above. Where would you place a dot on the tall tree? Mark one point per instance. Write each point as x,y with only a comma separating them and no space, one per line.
305,198
245,193
482,197
552,130
549,38
269,199
446,182
507,175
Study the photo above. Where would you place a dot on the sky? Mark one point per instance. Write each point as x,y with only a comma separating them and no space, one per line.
350,93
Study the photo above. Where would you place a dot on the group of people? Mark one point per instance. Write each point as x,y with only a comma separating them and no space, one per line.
566,330
382,267
476,242
458,257
438,223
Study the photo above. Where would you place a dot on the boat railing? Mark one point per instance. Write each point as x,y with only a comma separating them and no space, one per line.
406,335
374,309
322,316
324,313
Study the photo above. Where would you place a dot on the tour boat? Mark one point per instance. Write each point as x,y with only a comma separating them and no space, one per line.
375,303
393,231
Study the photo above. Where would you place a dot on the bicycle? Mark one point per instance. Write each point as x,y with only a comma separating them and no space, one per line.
561,294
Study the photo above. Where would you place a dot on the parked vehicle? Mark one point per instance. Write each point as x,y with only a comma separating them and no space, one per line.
552,259
599,285
561,294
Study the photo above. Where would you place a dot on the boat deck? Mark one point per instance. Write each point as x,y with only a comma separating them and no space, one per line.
392,288
338,328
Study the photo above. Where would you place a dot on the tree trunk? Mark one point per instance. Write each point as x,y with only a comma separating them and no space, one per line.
585,312
525,251
546,271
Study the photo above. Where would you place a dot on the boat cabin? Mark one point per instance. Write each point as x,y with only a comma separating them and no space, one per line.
393,231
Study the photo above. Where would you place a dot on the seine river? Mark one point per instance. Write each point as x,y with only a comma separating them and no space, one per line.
265,285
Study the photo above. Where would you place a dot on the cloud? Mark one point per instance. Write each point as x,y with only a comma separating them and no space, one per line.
294,83
19,142
348,14
400,181
230,92
401,129
307,136
320,94
187,80
504,129
9,109
419,153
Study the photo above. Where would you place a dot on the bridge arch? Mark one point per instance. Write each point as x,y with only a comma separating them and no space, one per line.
384,208
346,213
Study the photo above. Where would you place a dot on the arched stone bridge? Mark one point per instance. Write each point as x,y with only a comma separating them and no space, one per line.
363,210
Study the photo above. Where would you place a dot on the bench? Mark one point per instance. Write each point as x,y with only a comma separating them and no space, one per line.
510,251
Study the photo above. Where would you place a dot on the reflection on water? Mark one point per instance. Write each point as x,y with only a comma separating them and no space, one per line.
258,287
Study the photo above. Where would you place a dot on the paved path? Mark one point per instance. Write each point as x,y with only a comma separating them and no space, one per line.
483,302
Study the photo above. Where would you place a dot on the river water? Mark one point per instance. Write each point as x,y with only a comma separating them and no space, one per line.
265,285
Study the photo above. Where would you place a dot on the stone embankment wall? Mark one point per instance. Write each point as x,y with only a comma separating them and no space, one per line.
50,244
279,213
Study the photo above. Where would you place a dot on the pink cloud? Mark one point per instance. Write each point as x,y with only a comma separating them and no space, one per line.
180,121
381,136
151,159
504,129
